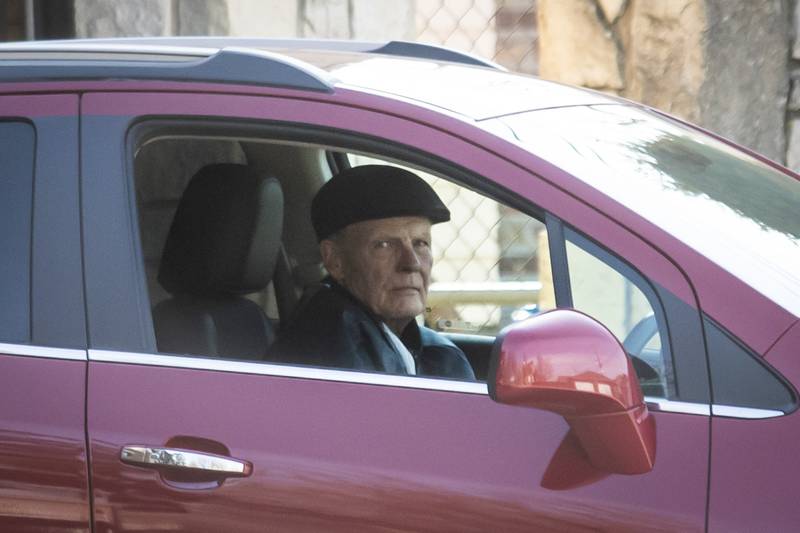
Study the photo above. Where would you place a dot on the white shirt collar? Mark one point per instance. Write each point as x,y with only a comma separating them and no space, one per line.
408,359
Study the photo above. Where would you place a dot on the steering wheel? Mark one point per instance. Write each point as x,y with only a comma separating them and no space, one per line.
635,342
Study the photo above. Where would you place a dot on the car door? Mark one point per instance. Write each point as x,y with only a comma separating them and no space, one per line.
281,447
43,458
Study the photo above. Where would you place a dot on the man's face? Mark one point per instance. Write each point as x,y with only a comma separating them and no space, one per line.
386,264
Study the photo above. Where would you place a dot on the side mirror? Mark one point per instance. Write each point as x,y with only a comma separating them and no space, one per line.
566,362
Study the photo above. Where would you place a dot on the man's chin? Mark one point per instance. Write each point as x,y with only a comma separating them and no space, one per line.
406,313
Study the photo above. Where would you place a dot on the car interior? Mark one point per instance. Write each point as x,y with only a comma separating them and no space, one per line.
227,264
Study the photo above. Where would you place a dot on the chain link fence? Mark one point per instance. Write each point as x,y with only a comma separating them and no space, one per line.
487,269
502,30
488,260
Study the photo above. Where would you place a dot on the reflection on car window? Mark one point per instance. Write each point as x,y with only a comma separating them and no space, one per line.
737,211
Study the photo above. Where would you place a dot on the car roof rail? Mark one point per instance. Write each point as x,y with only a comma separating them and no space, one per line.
395,48
83,60
430,51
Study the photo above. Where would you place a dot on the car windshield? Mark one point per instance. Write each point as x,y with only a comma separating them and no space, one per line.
741,213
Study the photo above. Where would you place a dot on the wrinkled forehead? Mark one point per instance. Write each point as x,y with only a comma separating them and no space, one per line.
384,228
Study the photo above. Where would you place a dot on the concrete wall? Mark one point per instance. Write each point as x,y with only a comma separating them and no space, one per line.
106,18
367,20
335,19
723,64
149,18
793,126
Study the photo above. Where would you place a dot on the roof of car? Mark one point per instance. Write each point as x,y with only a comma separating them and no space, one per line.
433,75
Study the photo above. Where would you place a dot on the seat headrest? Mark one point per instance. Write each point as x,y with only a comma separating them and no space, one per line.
226,233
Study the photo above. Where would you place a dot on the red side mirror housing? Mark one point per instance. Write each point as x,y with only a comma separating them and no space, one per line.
566,362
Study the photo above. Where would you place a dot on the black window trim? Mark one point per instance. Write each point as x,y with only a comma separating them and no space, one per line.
558,261
755,359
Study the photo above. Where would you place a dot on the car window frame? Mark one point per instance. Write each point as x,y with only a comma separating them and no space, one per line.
643,284
144,130
56,304
687,351
372,144
334,143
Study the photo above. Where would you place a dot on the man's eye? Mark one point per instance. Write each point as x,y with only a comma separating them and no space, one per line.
422,243
382,244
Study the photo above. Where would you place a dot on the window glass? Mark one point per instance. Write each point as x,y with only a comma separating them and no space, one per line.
734,209
491,262
741,378
16,190
618,302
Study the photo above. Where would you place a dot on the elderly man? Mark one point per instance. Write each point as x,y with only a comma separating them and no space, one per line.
373,224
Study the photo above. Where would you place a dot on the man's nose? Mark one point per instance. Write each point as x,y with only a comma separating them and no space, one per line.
409,258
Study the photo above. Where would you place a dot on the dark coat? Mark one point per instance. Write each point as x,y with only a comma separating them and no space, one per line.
333,329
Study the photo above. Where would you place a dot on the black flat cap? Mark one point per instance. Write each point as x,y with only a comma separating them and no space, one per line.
371,192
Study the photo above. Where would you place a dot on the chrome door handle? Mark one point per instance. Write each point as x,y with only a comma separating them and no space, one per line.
151,457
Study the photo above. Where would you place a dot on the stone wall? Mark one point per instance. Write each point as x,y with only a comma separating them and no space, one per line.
334,19
793,127
366,20
744,95
107,18
722,64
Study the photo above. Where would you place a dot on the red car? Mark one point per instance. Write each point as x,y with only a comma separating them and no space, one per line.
659,394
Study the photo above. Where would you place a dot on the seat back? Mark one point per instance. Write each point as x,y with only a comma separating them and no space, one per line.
223,243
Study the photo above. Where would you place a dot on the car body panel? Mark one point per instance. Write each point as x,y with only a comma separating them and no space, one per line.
308,439
44,485
338,450
43,456
339,456
25,105
757,451
457,88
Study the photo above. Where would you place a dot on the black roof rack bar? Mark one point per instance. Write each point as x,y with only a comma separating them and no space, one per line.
395,48
429,51
228,65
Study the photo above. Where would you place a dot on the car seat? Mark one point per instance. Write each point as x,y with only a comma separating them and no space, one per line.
223,243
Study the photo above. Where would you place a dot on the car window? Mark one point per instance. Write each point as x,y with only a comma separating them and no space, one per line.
604,288
493,267
491,262
16,189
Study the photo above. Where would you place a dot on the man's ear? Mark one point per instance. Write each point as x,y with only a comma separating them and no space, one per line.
332,259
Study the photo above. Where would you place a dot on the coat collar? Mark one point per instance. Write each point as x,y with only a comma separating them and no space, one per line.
410,337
